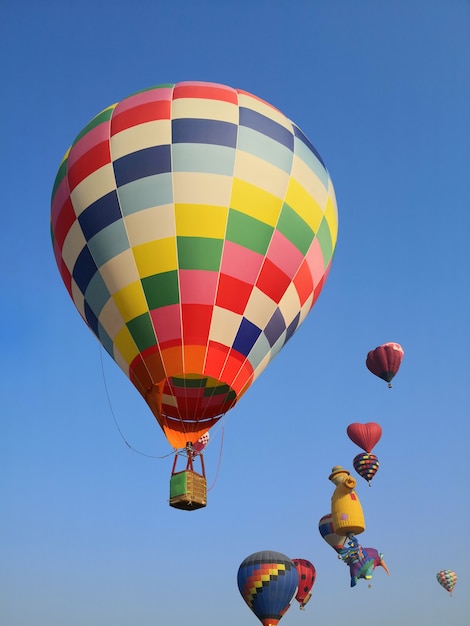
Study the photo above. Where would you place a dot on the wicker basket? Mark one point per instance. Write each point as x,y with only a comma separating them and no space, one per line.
188,490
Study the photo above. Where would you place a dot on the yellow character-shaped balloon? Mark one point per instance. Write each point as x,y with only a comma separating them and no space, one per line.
346,509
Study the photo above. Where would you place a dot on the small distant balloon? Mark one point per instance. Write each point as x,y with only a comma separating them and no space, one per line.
385,361
447,578
307,576
268,583
366,465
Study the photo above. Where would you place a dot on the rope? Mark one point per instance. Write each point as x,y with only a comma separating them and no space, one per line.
149,456
219,462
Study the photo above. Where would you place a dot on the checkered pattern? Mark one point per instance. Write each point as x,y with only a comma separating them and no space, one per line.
193,226
447,578
366,465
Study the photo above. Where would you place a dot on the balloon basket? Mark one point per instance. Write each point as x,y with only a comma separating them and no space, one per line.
188,489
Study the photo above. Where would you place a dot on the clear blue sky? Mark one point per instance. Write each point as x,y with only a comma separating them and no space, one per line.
382,88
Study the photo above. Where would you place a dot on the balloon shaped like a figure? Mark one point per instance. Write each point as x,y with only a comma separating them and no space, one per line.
325,526
447,578
346,510
307,576
268,583
385,361
194,226
362,561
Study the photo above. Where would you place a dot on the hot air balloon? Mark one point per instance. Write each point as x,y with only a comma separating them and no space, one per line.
385,361
366,465
447,578
268,583
194,226
361,561
346,511
325,526
365,436
307,575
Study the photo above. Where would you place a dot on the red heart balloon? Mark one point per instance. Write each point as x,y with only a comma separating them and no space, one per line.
364,435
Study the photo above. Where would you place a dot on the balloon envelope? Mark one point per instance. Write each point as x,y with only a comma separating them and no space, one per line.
194,226
447,578
385,361
325,526
366,465
307,575
268,583
364,435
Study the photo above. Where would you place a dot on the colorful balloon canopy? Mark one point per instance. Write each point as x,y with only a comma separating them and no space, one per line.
325,526
366,436
268,583
447,578
366,465
385,361
307,576
194,226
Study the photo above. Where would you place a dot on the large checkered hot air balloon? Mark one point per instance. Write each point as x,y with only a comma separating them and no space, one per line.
194,226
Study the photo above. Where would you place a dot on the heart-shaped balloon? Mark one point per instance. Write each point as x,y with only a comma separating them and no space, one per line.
364,435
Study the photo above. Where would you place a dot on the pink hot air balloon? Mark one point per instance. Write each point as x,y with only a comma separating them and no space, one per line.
385,361
366,436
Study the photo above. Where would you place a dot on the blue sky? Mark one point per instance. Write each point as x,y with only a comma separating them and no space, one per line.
382,89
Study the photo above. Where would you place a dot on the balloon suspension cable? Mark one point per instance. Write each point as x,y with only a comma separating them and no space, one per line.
189,452
184,451
149,456
219,461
